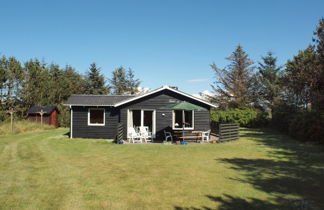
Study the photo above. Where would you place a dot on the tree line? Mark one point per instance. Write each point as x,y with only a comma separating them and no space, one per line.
293,93
34,82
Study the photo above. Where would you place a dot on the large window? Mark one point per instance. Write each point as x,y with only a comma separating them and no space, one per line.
183,119
96,117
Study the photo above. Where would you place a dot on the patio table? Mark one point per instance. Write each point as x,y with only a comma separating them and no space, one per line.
196,135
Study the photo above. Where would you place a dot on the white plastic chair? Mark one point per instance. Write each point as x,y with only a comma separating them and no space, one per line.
145,134
168,135
205,136
133,136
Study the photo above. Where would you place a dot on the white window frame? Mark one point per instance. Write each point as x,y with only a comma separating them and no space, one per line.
193,120
97,124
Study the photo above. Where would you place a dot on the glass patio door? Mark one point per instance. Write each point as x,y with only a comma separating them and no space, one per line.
142,117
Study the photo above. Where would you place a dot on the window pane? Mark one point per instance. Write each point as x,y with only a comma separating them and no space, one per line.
188,119
148,119
136,118
178,119
96,116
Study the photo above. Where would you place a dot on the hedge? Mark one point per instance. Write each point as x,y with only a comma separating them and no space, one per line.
300,124
245,117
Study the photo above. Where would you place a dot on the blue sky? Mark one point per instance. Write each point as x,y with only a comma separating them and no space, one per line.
164,42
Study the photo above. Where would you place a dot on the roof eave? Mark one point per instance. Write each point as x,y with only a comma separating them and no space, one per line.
87,105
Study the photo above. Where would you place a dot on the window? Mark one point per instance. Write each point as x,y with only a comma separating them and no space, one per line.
179,116
96,117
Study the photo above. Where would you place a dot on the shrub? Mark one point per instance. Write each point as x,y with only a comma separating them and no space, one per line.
245,117
4,116
300,124
307,126
64,116
282,116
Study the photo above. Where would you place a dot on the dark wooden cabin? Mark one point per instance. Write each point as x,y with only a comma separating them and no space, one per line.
50,116
97,116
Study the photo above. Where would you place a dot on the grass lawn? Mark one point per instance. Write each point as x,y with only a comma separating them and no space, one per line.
263,170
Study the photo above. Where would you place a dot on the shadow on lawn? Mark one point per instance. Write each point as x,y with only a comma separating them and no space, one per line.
295,169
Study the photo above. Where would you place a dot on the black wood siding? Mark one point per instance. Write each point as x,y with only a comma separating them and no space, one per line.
163,98
82,130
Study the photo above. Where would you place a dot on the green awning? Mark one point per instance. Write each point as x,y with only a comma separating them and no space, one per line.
183,106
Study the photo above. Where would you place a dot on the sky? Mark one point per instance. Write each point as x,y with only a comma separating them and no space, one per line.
167,42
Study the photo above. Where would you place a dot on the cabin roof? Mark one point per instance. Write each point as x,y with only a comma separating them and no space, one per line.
96,100
166,88
118,100
46,109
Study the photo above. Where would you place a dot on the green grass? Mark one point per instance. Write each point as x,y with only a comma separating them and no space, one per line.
263,170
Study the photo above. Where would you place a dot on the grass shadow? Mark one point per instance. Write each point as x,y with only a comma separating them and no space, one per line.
292,174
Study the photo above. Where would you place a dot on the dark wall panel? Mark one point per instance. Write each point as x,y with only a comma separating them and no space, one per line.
82,130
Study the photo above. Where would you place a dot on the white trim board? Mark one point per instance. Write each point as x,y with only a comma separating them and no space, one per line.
71,123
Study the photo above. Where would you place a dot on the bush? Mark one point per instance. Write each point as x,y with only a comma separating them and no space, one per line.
4,116
307,126
282,116
300,124
245,117
64,116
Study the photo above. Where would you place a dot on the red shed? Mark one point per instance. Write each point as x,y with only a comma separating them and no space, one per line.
50,116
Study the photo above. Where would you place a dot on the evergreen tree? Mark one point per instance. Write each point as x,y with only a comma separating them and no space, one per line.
300,78
124,82
35,88
118,82
95,81
56,82
234,85
268,81
133,84
3,79
318,96
11,75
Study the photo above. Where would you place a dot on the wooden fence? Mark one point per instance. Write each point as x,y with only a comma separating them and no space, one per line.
228,131
120,132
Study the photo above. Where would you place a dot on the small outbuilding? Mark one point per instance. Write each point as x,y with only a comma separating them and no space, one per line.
50,115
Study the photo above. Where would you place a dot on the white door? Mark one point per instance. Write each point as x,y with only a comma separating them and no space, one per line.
142,117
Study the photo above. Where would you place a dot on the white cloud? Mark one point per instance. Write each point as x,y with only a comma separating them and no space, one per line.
203,94
198,80
142,90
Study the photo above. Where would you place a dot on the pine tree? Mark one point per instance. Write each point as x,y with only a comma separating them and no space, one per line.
95,81
233,87
35,88
124,82
3,79
118,82
268,81
11,74
300,78
133,84
318,96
